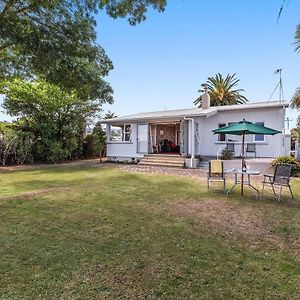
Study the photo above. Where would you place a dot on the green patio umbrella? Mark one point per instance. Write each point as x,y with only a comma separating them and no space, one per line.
243,128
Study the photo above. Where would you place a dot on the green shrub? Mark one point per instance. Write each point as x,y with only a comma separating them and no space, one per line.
288,160
90,146
226,154
199,157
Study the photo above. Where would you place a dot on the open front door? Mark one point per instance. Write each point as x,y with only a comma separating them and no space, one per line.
142,138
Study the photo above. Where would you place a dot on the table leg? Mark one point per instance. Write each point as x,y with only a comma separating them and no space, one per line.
254,188
235,184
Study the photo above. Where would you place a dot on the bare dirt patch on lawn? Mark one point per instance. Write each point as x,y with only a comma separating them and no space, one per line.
248,224
32,194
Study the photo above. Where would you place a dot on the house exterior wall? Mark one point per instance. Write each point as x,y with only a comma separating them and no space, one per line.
206,143
124,150
272,146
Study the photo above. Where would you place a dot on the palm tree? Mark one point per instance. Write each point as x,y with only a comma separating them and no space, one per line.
297,38
221,91
109,115
295,103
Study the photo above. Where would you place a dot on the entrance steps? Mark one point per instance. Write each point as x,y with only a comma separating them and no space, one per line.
163,160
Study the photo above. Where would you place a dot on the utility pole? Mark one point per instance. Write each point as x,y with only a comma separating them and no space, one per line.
288,120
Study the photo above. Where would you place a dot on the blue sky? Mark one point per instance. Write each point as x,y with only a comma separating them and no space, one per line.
160,63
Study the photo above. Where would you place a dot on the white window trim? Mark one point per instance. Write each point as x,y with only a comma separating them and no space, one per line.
264,140
122,141
124,132
218,135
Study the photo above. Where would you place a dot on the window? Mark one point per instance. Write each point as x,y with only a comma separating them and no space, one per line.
222,136
259,137
121,133
115,133
127,133
231,137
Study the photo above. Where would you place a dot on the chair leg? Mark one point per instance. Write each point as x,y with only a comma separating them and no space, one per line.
263,188
279,197
207,182
290,188
224,184
273,190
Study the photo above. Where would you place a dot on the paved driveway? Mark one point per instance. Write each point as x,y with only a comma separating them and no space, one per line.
261,164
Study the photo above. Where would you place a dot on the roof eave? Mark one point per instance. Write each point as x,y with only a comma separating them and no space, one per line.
149,119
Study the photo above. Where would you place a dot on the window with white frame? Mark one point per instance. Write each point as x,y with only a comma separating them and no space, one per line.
222,136
120,133
259,137
127,133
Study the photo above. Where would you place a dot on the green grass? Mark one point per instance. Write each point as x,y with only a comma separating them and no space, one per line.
90,232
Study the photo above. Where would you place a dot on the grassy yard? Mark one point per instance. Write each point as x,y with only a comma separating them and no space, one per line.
90,232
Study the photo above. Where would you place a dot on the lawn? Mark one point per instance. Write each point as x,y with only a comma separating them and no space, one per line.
91,232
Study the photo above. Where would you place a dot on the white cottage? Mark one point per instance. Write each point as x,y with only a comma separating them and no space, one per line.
188,132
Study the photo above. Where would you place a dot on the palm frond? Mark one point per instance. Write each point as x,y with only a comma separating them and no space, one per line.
221,90
297,39
295,102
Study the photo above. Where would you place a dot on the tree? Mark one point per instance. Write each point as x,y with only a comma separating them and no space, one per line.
110,115
297,38
133,10
295,135
55,117
15,146
56,41
295,103
222,91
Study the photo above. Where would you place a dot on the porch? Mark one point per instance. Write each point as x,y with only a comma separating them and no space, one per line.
168,138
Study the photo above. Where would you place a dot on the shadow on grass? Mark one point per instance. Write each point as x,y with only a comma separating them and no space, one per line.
92,178
99,239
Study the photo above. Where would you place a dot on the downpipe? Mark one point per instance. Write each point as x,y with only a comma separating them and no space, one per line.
192,139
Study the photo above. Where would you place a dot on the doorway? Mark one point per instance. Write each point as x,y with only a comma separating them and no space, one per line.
165,138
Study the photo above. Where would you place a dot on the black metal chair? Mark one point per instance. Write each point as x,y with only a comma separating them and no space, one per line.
251,148
216,172
281,178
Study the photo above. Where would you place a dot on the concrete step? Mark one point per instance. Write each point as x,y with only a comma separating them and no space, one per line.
163,158
163,155
161,164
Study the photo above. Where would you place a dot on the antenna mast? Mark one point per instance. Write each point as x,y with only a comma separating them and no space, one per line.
279,86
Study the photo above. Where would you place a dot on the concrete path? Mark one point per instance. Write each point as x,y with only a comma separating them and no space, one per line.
260,164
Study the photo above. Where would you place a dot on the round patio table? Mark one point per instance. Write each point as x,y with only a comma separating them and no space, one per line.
247,182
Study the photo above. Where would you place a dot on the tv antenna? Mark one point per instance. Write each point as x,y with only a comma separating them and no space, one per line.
279,86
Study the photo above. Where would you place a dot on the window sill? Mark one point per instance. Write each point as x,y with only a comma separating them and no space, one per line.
118,142
260,143
239,143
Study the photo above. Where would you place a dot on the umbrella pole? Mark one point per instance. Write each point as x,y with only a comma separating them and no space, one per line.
243,162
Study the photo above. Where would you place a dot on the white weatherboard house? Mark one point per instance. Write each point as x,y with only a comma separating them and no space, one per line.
188,132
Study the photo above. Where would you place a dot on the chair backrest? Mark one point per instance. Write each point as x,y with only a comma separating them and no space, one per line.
216,168
230,147
251,147
282,170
